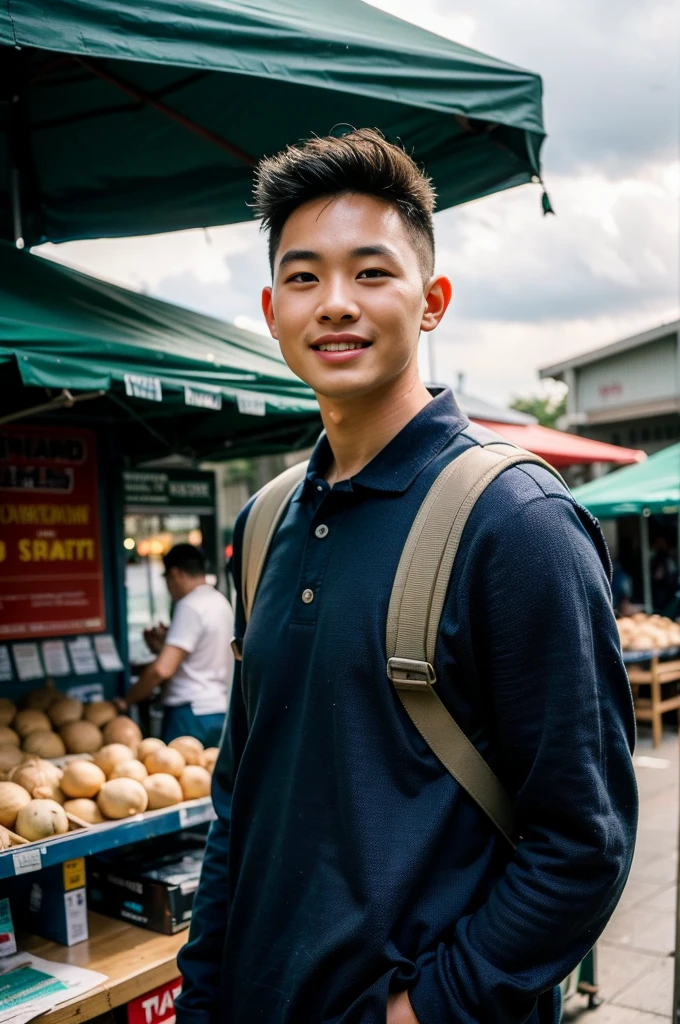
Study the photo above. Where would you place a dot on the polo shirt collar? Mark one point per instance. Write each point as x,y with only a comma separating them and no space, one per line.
401,460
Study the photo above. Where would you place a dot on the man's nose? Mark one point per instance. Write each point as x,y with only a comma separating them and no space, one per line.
337,305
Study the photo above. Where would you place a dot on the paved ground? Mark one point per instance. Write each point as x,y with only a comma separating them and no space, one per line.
635,955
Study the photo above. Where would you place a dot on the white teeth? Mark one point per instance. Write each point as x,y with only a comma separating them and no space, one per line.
338,346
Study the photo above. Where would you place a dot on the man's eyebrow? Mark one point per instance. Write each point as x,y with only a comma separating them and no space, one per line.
373,250
298,254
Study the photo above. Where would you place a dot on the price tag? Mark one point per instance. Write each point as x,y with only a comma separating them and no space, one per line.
25,861
196,815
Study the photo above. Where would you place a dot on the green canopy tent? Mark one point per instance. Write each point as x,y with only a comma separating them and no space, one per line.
649,488
170,381
120,118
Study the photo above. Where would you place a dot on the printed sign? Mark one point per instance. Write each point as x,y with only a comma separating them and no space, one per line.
157,1006
187,490
202,399
55,658
251,404
50,548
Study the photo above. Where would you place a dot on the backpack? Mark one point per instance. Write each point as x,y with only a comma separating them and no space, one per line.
417,600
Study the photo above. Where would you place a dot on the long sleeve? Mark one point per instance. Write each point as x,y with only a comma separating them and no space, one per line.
200,960
548,667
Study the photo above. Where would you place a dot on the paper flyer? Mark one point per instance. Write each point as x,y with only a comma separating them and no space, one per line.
6,674
107,653
82,656
27,661
55,658
30,986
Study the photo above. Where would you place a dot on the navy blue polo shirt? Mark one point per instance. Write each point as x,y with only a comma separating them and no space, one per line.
346,863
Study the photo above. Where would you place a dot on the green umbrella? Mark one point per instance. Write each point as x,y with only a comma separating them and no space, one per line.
121,118
168,380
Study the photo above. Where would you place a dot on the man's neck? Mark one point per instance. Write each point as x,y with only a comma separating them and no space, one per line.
359,428
191,583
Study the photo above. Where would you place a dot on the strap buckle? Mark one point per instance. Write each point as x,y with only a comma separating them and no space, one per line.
407,674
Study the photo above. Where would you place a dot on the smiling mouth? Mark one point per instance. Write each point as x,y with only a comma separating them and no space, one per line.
340,346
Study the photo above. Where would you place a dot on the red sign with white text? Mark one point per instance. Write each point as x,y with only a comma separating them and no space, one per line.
51,581
156,1007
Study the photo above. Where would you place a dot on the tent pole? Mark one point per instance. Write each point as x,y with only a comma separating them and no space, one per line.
63,401
163,108
646,566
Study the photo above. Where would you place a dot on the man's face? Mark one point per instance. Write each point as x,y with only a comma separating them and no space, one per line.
348,300
173,581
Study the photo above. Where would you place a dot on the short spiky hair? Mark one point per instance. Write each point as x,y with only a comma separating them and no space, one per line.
362,162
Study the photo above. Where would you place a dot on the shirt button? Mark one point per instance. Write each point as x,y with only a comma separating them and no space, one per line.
321,531
319,487
308,596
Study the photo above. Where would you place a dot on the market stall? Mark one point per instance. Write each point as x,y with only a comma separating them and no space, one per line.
96,382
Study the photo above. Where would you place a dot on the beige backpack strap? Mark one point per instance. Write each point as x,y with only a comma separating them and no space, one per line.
415,610
264,517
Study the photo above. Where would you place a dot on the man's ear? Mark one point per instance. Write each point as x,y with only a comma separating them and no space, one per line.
437,297
268,310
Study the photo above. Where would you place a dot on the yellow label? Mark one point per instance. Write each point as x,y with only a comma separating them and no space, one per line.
74,874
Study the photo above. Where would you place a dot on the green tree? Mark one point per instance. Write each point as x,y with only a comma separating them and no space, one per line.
547,410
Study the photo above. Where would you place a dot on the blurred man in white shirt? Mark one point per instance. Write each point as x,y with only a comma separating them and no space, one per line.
194,663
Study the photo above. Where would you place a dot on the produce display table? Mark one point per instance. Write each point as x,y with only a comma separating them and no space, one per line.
81,843
134,960
648,668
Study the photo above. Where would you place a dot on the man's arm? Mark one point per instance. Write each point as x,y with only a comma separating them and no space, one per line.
200,961
546,663
155,674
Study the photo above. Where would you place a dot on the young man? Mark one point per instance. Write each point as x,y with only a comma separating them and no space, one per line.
194,664
348,878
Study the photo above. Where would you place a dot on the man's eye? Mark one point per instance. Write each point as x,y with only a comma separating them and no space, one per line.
302,277
372,272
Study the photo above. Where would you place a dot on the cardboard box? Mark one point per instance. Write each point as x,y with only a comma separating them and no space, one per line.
150,884
57,904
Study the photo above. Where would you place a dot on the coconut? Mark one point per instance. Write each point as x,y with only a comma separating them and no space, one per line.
81,737
39,778
121,798
129,770
82,778
12,798
209,757
123,730
85,809
99,712
7,710
163,790
41,699
40,819
189,747
44,743
146,746
5,839
10,757
26,722
195,782
66,710
8,736
165,760
110,755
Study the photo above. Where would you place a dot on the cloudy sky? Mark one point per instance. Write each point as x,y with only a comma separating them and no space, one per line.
529,290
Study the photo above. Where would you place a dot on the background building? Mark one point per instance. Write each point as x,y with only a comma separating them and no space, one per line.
628,392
